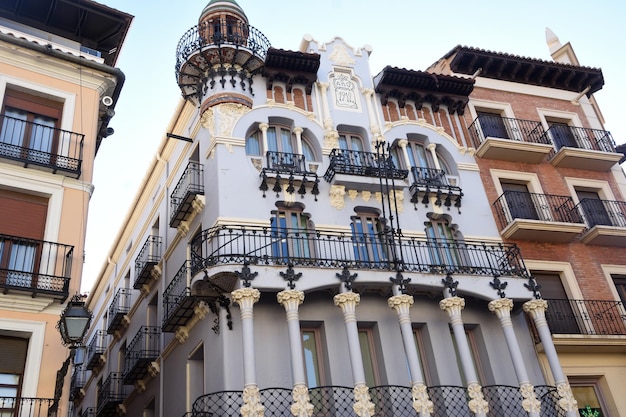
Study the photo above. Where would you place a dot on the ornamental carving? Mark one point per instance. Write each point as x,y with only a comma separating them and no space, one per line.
337,193
207,120
228,114
252,406
290,299
341,56
363,405
421,402
477,402
501,307
452,305
530,402
301,406
245,297
331,139
535,307
347,299
401,303
567,401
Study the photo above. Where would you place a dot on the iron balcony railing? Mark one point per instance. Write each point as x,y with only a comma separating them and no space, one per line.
111,393
35,266
178,303
191,183
430,177
44,146
89,412
581,138
285,163
78,381
142,350
96,349
25,407
602,212
149,256
512,205
219,32
496,126
389,401
331,249
120,306
366,164
586,317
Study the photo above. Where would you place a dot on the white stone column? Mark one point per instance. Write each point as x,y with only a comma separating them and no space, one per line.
477,403
328,121
402,143
502,308
369,100
421,402
432,148
301,406
537,310
298,132
245,298
263,127
363,405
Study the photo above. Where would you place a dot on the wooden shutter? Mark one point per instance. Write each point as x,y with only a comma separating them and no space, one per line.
22,215
13,357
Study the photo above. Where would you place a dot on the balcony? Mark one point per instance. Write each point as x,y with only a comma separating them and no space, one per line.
77,383
330,249
431,182
293,168
25,407
148,258
606,222
111,394
178,301
388,400
362,171
217,42
40,146
582,325
89,412
582,148
120,306
190,185
142,350
35,267
538,217
507,139
96,350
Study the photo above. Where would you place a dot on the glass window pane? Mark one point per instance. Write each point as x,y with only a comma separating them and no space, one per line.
286,143
307,151
311,358
253,146
272,144
42,133
12,129
368,359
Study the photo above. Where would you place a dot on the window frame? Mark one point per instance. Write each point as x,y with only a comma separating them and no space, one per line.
295,239
319,358
369,244
254,141
372,357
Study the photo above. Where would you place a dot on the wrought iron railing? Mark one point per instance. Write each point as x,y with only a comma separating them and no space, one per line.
217,33
25,407
36,266
331,249
496,126
581,138
177,290
389,401
602,212
513,205
285,163
149,256
96,348
40,145
111,393
78,380
143,349
586,317
430,177
366,164
120,306
191,183
89,412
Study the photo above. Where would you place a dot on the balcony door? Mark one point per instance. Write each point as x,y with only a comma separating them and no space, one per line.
354,147
492,125
562,135
519,201
561,317
12,364
593,209
368,238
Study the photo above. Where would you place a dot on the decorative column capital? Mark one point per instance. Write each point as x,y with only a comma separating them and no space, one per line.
566,401
452,305
347,301
298,131
290,299
536,308
252,406
403,143
401,303
301,406
477,402
363,405
323,86
421,402
263,127
530,403
501,307
431,146
367,92
245,297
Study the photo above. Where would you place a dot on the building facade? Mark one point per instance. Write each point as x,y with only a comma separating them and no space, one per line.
58,89
314,239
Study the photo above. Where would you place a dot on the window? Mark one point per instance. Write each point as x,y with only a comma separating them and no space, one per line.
368,237
620,285
425,170
593,208
561,133
311,350
280,140
291,230
443,248
560,313
470,334
492,125
12,365
589,397
368,353
420,344
519,201
29,126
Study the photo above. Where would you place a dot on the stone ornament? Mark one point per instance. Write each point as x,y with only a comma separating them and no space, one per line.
477,402
341,56
337,194
530,403
567,401
401,303
363,405
301,406
421,402
252,406
452,305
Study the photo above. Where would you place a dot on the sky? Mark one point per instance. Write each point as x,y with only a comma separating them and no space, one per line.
411,34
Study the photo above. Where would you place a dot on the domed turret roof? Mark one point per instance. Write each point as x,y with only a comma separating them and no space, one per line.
223,6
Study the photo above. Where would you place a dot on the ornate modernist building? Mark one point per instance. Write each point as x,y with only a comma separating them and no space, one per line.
58,89
315,240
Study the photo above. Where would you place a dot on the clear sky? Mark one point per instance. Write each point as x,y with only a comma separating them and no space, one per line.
403,33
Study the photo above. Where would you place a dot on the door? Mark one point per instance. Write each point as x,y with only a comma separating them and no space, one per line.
492,125
562,313
562,135
593,209
519,201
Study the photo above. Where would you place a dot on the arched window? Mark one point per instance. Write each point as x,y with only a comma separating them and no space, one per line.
427,167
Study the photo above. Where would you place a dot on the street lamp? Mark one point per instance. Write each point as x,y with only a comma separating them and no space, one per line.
72,325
